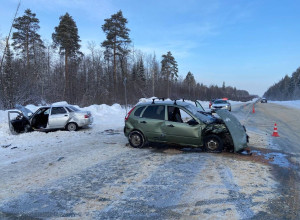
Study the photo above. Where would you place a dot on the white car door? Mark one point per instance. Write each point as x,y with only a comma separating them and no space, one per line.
58,117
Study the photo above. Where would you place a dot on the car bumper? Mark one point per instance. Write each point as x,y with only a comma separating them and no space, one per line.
85,121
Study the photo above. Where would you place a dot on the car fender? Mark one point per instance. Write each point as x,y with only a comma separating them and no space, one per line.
235,128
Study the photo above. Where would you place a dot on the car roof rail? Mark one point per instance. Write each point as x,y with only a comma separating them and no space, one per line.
153,100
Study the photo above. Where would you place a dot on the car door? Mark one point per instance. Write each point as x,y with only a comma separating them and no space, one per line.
152,121
58,117
181,127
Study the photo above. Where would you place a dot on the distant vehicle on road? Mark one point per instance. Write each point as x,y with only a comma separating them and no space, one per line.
263,100
211,102
182,123
221,104
48,118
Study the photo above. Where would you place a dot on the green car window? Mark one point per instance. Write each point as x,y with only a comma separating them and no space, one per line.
139,111
155,112
174,114
207,119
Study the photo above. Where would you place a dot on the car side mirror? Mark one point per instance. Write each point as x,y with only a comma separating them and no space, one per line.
192,122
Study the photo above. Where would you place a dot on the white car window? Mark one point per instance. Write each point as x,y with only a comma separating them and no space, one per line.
58,110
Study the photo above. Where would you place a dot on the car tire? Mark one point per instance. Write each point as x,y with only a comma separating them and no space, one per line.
136,139
71,126
213,143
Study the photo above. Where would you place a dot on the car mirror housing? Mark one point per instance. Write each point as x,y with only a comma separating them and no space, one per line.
193,122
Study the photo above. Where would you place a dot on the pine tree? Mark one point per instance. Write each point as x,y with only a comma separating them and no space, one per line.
155,71
117,40
190,81
169,69
8,80
67,39
26,39
141,74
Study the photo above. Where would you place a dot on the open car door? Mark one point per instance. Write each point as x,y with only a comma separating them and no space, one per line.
237,131
17,122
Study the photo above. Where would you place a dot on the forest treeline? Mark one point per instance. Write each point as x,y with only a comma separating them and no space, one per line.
38,71
288,88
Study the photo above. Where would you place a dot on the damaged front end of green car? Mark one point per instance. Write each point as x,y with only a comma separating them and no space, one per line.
182,123
236,130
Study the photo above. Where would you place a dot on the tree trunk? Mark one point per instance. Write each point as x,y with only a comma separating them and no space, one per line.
153,78
27,51
66,75
168,85
115,73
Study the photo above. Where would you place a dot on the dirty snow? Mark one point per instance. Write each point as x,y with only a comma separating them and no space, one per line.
45,157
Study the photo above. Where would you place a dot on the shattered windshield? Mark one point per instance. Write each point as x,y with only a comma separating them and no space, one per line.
205,118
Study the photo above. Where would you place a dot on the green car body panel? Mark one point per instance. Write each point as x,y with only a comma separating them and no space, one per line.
182,133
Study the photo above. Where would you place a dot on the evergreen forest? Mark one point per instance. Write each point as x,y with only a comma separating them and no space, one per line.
288,88
37,71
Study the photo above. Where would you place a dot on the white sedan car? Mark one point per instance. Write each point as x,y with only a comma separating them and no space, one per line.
221,104
48,118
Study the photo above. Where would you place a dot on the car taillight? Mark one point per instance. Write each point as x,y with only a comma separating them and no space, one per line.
128,114
86,116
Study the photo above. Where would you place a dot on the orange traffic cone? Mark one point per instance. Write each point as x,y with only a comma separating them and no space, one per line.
275,133
253,109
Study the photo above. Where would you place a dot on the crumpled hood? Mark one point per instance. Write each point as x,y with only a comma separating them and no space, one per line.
26,112
235,128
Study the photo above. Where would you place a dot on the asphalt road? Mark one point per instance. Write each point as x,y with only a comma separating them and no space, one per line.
101,177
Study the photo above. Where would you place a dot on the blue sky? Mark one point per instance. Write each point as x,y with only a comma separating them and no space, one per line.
249,44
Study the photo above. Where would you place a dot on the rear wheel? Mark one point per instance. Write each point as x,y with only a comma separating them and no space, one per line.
71,126
213,143
136,139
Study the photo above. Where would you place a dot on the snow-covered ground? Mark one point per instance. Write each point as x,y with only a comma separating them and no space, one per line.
55,163
292,104
105,117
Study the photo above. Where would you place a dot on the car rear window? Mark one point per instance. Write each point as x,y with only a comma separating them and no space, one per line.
139,111
58,110
155,112
69,109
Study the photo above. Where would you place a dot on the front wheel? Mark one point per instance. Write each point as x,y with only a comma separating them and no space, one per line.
136,139
213,143
71,126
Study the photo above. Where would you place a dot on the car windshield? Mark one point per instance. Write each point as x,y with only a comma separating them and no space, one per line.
205,118
220,102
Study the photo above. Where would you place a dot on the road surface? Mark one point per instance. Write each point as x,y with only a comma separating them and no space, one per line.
96,175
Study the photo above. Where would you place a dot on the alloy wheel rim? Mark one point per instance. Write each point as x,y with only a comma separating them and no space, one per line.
71,127
212,145
136,140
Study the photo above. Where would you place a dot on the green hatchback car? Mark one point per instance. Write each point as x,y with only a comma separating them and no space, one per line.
183,123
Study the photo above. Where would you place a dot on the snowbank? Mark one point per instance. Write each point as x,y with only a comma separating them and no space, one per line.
292,104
